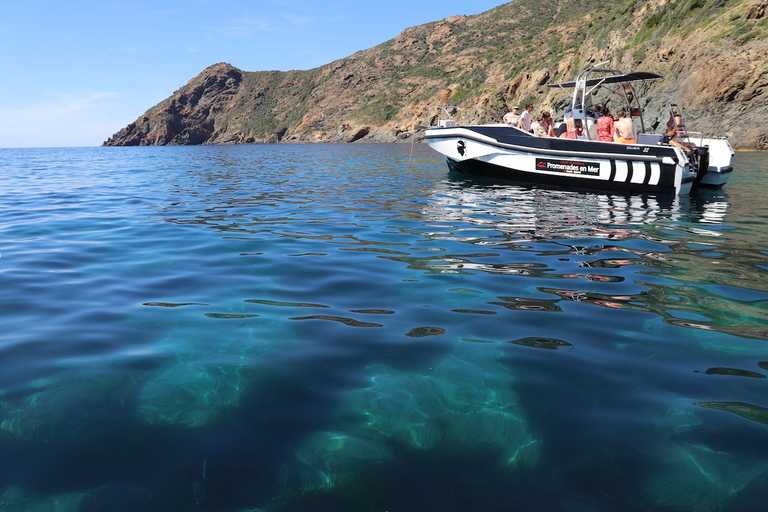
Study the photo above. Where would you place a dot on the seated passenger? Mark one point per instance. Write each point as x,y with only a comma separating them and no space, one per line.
535,126
562,128
672,137
574,129
512,118
545,128
569,132
625,130
578,129
605,125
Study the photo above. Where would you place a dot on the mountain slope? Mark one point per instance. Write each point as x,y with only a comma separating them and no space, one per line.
711,52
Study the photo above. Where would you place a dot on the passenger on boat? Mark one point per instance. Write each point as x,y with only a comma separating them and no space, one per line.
625,130
527,118
672,137
535,126
512,118
545,128
578,128
574,129
562,128
605,125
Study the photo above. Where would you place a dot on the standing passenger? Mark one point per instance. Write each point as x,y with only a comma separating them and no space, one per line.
527,118
512,118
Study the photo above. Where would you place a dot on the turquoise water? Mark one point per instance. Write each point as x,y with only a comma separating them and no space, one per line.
349,328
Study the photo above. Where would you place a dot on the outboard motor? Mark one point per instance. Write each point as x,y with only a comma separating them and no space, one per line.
701,159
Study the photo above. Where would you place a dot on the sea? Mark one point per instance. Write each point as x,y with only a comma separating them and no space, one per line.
321,327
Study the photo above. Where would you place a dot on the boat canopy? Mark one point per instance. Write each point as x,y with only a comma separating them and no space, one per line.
584,86
637,76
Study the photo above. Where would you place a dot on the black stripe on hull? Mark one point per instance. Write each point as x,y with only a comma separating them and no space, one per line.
647,173
485,169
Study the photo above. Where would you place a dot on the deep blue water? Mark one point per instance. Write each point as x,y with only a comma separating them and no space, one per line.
347,328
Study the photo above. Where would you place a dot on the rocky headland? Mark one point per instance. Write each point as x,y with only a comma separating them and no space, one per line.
712,54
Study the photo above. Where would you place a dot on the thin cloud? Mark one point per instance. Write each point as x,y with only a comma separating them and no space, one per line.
62,119
293,17
242,28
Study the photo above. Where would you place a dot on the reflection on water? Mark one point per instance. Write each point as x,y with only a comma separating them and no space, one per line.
521,213
325,328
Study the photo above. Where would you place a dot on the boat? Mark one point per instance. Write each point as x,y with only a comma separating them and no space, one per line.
649,165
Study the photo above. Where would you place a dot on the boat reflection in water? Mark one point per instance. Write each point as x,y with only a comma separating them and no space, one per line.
554,235
523,213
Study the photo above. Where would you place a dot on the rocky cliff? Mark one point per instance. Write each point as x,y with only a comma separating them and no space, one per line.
712,54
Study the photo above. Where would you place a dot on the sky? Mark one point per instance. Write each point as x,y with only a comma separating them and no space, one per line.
73,73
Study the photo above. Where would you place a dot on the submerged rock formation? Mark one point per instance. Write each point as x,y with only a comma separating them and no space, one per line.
711,53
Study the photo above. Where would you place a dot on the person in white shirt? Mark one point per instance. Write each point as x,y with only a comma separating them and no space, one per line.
527,118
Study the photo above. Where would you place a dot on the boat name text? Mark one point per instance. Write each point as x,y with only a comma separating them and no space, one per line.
568,166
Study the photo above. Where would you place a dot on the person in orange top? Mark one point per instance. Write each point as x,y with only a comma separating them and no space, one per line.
625,130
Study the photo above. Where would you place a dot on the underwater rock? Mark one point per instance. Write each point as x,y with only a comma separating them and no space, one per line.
328,461
205,376
463,407
16,499
186,379
458,408
60,405
696,477
189,394
112,497
699,468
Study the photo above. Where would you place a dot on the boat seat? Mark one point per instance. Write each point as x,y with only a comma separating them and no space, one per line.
650,139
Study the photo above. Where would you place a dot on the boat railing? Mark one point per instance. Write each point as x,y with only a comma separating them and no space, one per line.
444,116
696,138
